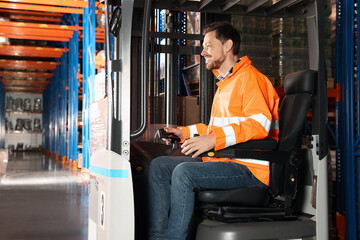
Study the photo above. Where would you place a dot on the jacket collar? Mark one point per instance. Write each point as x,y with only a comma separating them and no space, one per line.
242,62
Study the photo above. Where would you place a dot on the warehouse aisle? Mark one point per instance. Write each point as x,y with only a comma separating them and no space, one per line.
40,199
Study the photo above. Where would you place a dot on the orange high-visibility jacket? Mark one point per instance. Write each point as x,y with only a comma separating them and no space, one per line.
245,107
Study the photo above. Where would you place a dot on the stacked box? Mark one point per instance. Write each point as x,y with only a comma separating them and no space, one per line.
193,74
290,48
188,111
256,41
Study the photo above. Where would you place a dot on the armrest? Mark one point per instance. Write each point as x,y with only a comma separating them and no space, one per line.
261,144
263,149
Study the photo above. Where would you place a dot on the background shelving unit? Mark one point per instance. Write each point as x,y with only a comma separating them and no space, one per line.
348,118
15,114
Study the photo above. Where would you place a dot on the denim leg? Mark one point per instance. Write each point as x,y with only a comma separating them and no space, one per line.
188,176
160,173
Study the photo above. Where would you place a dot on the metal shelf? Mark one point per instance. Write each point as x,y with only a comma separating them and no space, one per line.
36,31
11,82
44,8
34,18
23,132
22,64
23,75
16,89
28,51
24,112
64,3
34,13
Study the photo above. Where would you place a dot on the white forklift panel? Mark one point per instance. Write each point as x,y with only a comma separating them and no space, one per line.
111,203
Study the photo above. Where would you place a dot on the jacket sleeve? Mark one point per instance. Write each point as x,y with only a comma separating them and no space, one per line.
256,119
190,130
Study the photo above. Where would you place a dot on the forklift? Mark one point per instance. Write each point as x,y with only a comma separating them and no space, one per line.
117,186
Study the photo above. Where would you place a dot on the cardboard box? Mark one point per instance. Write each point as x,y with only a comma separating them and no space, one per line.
330,83
188,110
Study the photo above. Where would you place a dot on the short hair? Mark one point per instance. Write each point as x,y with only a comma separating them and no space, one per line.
225,31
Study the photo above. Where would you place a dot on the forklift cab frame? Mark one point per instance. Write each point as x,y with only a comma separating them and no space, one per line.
111,211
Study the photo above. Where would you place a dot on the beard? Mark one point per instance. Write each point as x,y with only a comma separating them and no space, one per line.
214,64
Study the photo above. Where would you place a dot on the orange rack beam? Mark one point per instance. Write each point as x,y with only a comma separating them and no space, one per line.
32,37
333,92
34,18
20,64
42,8
97,36
47,14
38,26
24,89
18,74
96,29
99,5
36,31
64,3
26,51
10,82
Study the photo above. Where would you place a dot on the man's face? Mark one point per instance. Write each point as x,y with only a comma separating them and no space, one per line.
213,51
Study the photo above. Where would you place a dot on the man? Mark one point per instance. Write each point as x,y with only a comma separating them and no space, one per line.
245,107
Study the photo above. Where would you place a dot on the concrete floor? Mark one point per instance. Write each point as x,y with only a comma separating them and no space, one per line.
40,199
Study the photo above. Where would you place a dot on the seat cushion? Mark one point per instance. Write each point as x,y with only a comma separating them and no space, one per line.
244,196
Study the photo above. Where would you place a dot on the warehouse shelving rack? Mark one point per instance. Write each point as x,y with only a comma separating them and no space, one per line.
54,67
2,116
348,116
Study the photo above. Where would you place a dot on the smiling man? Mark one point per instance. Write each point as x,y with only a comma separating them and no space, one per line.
245,107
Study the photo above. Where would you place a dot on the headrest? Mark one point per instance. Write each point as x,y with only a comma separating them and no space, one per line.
300,82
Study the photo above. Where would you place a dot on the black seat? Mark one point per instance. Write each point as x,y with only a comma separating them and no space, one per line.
285,158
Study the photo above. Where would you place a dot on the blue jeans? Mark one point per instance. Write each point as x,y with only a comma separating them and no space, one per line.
172,181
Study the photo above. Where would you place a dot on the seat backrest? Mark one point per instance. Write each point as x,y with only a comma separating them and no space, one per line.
298,88
293,110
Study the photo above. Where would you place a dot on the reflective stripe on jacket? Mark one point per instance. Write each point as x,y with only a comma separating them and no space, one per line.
245,107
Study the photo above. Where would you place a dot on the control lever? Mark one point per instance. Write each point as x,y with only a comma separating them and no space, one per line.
174,139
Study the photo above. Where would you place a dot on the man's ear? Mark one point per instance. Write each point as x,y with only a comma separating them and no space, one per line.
228,45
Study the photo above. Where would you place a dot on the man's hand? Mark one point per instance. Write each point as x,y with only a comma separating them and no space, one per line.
198,145
175,131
